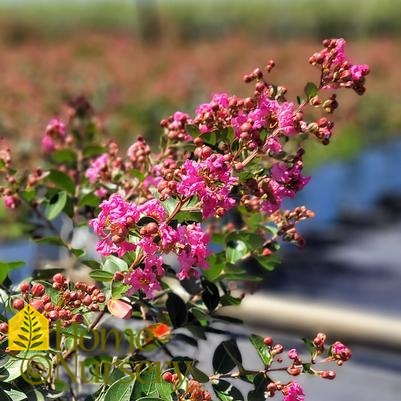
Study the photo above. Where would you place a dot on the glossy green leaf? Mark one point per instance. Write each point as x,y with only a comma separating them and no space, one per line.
310,90
56,205
120,390
236,250
64,156
260,383
226,357
225,391
261,348
210,295
61,180
176,309
101,275
89,199
6,267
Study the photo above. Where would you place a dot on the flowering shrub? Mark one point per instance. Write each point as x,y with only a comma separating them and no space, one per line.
174,230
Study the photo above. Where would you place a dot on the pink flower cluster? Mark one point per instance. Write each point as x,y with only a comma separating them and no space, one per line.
120,229
113,224
285,182
211,180
293,392
96,167
337,71
55,133
340,352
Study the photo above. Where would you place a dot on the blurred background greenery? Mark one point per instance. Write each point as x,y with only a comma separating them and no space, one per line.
140,60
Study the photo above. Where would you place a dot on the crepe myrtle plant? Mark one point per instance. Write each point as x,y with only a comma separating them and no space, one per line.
176,232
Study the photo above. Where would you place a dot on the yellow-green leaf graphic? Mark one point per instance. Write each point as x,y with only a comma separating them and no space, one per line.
29,330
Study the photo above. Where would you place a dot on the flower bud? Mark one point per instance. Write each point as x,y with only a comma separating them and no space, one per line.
24,287
18,304
37,290
3,327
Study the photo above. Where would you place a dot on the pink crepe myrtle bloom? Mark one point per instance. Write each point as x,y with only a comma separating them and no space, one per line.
55,128
359,71
285,118
192,250
143,280
293,392
97,165
290,179
153,208
340,351
54,132
211,180
48,144
113,224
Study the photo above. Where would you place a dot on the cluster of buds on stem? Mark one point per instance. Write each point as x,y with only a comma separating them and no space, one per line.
69,303
194,390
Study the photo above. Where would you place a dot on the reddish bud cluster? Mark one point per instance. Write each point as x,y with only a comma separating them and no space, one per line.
195,391
337,72
286,223
70,304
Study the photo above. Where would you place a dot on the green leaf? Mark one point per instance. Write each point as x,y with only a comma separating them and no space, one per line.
226,357
78,252
64,156
101,275
228,299
61,180
268,262
216,265
50,241
6,267
192,130
118,289
198,375
236,250
120,390
210,295
261,348
28,195
93,264
310,90
310,346
260,383
56,205
225,391
176,309
145,385
92,151
151,399
170,204
89,199
114,264
164,390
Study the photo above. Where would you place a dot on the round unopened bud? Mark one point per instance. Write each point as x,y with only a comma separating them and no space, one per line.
24,287
268,341
167,377
37,290
53,315
294,371
327,374
18,304
58,278
3,327
38,305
